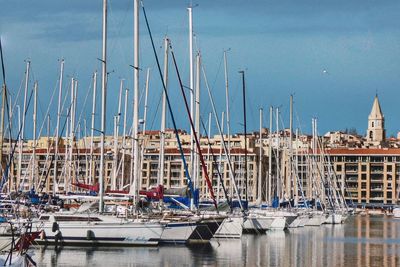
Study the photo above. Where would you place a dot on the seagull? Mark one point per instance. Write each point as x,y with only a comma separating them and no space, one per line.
324,71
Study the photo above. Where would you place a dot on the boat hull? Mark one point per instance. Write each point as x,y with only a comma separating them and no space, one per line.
102,234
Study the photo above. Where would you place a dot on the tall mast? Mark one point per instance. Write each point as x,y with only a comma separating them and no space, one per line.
71,135
289,182
220,150
21,139
245,134
259,198
210,165
231,174
191,88
144,121
124,139
228,122
34,134
58,125
135,99
116,135
115,163
103,107
197,118
146,94
163,113
91,171
271,111
278,175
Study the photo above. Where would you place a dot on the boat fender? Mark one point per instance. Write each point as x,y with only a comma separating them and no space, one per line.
55,227
90,235
57,236
42,235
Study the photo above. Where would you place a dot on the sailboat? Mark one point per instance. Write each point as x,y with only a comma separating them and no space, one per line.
99,228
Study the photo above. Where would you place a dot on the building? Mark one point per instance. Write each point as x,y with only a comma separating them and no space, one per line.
376,125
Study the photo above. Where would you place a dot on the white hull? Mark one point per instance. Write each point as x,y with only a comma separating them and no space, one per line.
257,224
109,231
299,221
279,223
316,219
334,218
178,232
396,213
230,228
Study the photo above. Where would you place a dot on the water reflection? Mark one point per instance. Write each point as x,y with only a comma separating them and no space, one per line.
363,241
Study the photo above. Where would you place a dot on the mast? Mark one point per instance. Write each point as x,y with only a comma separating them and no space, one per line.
91,176
220,150
124,139
278,175
191,88
34,134
163,113
135,100
228,122
271,111
232,176
245,134
196,172
208,134
58,125
290,181
71,135
115,163
146,94
21,139
259,187
116,135
103,107
144,121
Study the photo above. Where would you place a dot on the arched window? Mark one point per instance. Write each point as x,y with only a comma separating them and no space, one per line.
372,124
371,135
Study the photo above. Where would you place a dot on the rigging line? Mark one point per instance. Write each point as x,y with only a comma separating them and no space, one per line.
40,108
5,96
83,106
5,173
232,175
47,112
155,113
18,94
207,106
169,105
41,128
41,185
215,165
2,63
204,166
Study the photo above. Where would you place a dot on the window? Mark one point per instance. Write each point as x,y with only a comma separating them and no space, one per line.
370,134
339,168
363,168
372,124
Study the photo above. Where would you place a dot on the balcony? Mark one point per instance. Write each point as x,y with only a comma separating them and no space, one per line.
376,188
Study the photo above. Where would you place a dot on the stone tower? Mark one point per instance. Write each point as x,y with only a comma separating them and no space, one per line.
376,124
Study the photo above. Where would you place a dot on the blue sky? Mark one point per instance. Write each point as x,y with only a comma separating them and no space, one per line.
284,46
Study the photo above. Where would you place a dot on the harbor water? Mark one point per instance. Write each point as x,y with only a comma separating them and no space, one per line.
362,241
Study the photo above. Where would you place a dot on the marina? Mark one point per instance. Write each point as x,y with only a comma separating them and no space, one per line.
169,152
372,241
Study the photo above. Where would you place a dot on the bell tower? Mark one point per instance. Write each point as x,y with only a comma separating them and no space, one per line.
376,124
